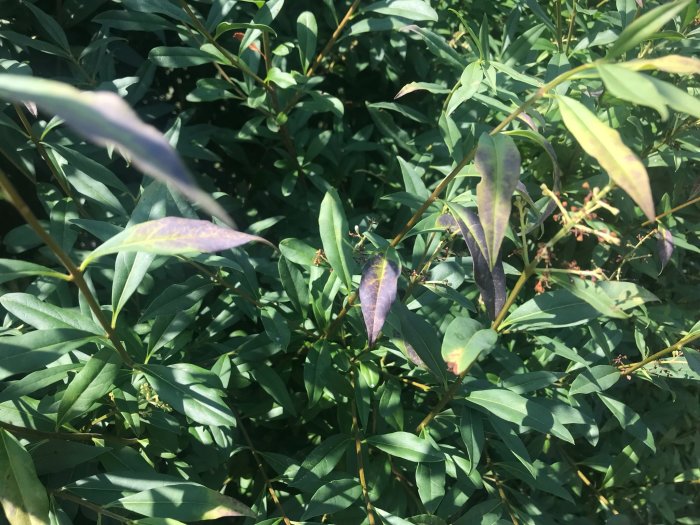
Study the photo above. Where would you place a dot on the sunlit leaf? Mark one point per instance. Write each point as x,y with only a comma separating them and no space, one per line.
406,446
22,495
173,236
334,230
498,162
605,145
464,342
106,119
645,26
307,31
377,293
89,385
186,391
678,64
184,501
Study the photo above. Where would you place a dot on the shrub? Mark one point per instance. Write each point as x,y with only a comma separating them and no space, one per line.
393,262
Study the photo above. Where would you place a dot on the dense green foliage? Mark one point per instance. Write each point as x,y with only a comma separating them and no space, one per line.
480,306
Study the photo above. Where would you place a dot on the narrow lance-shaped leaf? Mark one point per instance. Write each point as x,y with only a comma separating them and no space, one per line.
307,29
498,161
333,227
105,118
645,26
173,236
605,145
22,495
377,293
490,282
664,246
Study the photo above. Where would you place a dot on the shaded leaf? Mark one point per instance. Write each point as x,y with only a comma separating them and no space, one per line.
629,420
378,288
105,119
605,145
498,162
632,87
22,495
12,269
173,236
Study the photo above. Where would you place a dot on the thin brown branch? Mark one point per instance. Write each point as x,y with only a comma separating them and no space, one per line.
658,355
360,462
334,37
261,467
77,275
66,436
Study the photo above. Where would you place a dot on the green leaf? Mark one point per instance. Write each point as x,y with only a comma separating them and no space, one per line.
554,309
464,342
23,497
332,497
272,383
186,391
413,10
36,381
11,269
632,87
223,27
130,268
430,481
105,119
469,84
43,315
423,341
334,231
35,350
629,420
645,26
678,99
294,284
307,31
299,252
316,367
175,57
182,501
594,379
471,429
605,145
93,382
498,162
406,446
519,410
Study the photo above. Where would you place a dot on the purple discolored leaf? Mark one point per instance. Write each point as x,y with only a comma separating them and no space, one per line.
498,161
490,281
664,246
105,118
173,236
378,286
